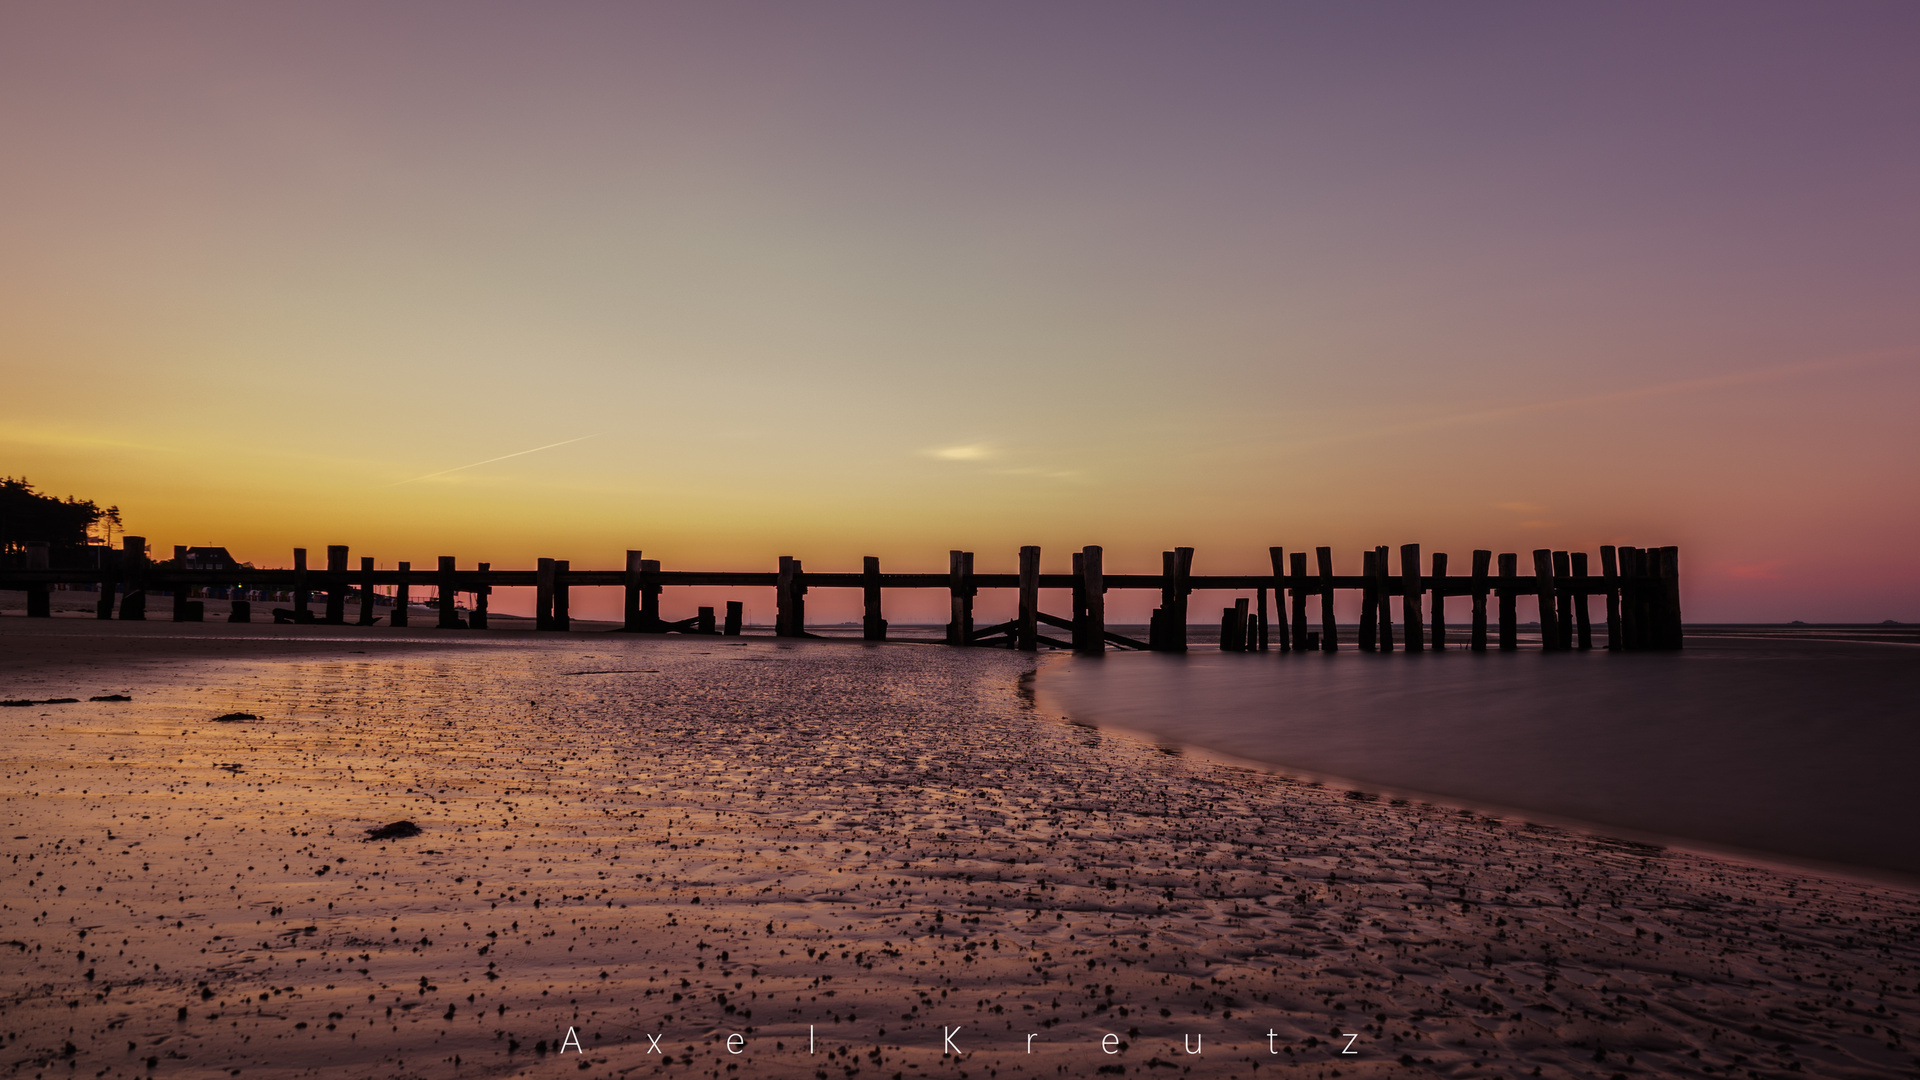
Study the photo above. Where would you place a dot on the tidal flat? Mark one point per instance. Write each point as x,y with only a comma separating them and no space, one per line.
855,858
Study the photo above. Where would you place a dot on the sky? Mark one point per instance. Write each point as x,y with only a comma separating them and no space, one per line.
724,282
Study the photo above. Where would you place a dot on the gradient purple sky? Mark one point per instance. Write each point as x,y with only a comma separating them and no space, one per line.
842,279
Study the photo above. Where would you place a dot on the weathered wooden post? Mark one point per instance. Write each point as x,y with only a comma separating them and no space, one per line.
133,570
336,588
1610,581
1543,591
703,620
1509,601
1369,602
1383,591
179,589
477,620
109,584
1170,622
1297,564
1079,600
1412,618
1632,594
1563,600
630,583
960,592
873,623
1582,618
1093,586
39,597
1242,639
650,590
402,593
1260,620
1027,626
1328,638
1674,631
1277,558
449,596
1481,560
543,594
367,617
735,611
790,591
1227,643
302,597
1439,600
562,602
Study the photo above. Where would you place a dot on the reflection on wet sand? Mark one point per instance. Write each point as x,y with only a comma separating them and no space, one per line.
855,849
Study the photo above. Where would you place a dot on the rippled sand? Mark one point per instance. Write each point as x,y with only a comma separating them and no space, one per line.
696,838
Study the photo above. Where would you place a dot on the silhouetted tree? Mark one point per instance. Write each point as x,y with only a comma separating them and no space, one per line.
26,514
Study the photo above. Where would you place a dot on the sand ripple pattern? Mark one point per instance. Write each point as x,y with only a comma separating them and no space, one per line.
691,839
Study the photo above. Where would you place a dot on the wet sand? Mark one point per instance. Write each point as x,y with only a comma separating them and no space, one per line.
695,838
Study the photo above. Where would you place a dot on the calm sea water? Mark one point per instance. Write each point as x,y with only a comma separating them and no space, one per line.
1808,749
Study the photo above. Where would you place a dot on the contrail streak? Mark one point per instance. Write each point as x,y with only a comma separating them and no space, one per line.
491,460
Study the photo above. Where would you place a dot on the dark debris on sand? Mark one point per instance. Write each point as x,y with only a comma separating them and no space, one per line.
398,830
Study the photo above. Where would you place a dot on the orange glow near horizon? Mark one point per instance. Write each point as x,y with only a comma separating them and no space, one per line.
725,285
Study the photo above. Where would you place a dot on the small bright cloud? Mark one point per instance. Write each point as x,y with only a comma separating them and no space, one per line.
1521,507
968,452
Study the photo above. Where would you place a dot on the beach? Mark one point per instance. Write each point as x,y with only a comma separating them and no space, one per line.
758,857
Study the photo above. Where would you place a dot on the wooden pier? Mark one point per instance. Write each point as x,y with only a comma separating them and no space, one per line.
1639,588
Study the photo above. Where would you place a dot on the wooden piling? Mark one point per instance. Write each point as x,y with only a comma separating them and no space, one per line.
1369,602
1029,603
960,597
367,617
562,603
1582,618
1227,643
110,578
650,590
403,594
630,577
1439,600
1297,565
735,611
790,619
1283,635
1673,631
180,590
449,595
1260,621
1610,581
1478,641
873,624
703,620
1543,591
1093,583
39,597
1413,620
1242,638
1079,600
302,598
1509,601
477,619
240,611
133,572
543,594
336,611
1383,594
1632,638
1329,637
1563,600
